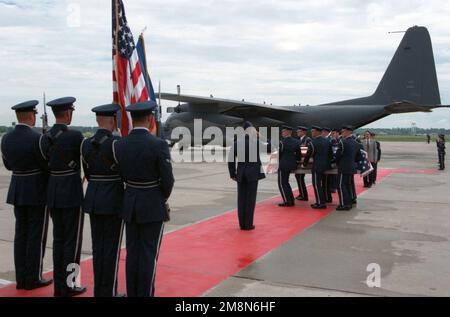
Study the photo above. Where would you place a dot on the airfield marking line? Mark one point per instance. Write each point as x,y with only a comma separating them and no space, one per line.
199,257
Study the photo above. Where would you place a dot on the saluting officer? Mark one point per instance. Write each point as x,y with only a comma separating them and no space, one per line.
440,142
304,141
145,166
289,155
348,153
103,201
65,196
27,192
320,150
245,152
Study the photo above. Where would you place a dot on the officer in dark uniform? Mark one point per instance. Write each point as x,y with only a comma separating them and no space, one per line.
304,141
103,201
328,179
145,166
27,192
65,196
334,139
352,179
348,153
320,150
289,155
441,151
245,152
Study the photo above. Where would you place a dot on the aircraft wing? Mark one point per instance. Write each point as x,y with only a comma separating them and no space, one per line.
408,106
230,107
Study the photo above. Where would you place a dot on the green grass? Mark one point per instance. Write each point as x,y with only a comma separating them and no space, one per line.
404,138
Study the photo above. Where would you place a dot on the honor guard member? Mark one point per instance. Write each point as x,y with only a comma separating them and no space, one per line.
304,141
289,155
65,196
334,139
245,152
353,187
27,192
320,150
145,166
348,153
103,201
328,179
441,151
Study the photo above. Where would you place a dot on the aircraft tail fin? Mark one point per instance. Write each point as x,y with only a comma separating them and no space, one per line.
411,75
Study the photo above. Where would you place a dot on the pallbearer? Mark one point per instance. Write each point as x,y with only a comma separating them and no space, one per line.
27,192
289,155
348,153
103,201
320,150
61,146
328,178
145,166
304,141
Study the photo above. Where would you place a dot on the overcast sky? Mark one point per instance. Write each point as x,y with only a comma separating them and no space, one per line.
280,51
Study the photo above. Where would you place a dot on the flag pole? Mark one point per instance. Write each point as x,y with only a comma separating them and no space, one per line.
159,119
147,77
116,43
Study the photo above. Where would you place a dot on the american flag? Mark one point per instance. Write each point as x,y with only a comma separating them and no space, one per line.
128,79
364,166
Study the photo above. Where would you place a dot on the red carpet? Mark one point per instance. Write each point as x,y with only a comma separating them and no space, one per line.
199,257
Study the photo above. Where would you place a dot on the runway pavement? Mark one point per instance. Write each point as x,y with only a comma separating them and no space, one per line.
402,225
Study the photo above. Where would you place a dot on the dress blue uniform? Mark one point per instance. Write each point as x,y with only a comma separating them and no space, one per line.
145,166
441,152
289,155
332,181
103,203
352,180
348,153
320,150
328,178
64,198
303,191
249,171
27,192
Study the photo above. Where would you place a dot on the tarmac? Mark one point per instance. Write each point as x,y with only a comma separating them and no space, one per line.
402,225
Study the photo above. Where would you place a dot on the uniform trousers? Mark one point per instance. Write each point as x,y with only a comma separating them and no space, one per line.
29,243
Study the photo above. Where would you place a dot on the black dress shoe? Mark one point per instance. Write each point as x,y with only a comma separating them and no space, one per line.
286,205
42,283
20,286
249,228
72,292
302,199
343,208
317,206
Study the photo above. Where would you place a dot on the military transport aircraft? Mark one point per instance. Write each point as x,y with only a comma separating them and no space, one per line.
409,85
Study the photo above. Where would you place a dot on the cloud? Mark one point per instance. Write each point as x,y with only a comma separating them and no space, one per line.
284,52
